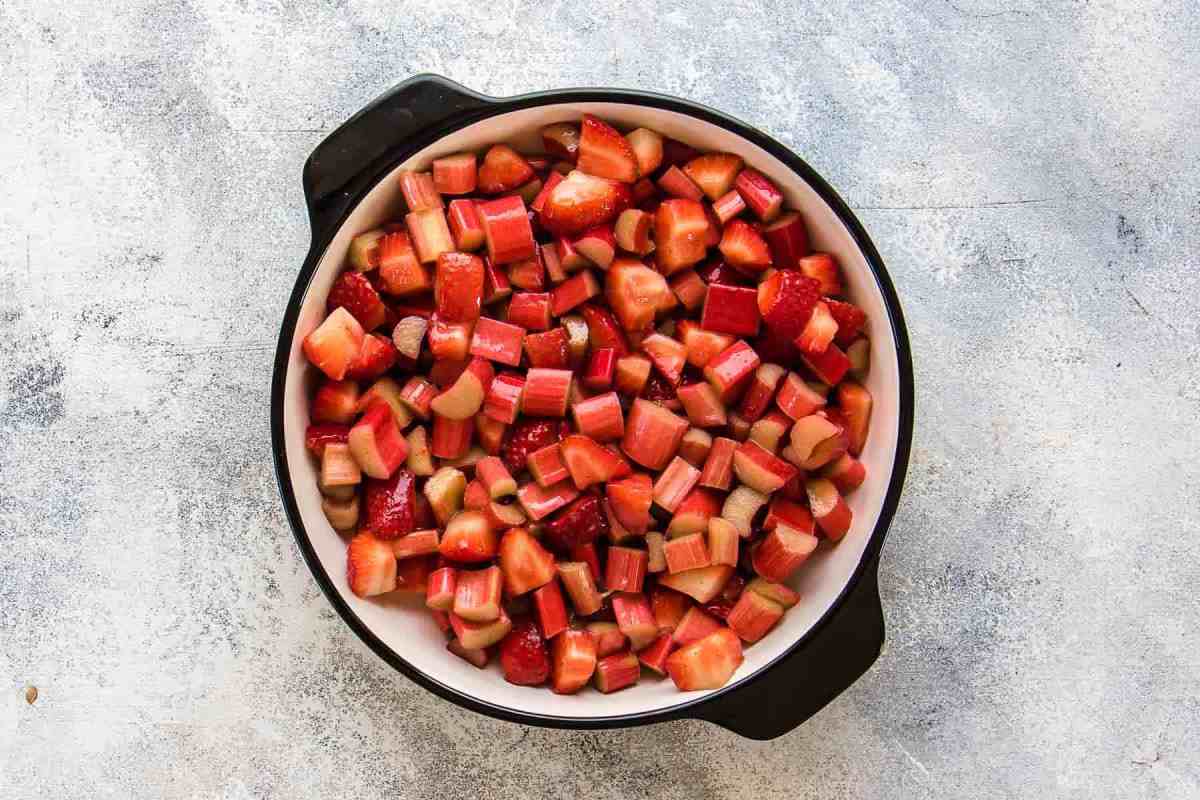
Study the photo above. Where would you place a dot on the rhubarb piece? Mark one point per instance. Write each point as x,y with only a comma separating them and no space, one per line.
676,183
600,417
561,139
788,240
490,432
695,446
859,355
480,635
635,293
714,173
631,374
761,392
703,407
376,357
547,467
686,553
617,671
702,584
832,514
819,331
498,341
830,366
753,616
693,625
744,247
776,592
669,607
728,206
846,472
600,370
465,397
553,266
652,434
598,245
573,292
546,392
798,399
630,499
689,288
781,552
477,658
759,469
477,594
654,655
855,403
495,478
408,334
507,230
370,566
632,231
316,437
587,553
363,254
702,345
551,610
788,512
816,441
496,286
647,149
503,399
761,196
476,498
569,259
400,271
680,228
740,508
469,538
540,502
335,401
582,201
731,369
430,234
824,269
739,428
603,330
549,350
420,460
581,588
376,442
604,152
674,484
420,191
458,287
625,570
449,341
530,310
440,588
417,395
451,437
503,169
718,467
635,619
693,513
577,342
339,467
456,174
353,292
529,274
444,491
526,565
723,541
572,661
588,462
334,345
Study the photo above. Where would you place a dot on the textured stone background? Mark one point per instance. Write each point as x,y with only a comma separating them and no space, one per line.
1028,171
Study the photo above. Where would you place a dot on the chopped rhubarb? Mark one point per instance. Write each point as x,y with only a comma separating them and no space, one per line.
440,588
718,467
503,400
686,553
507,230
631,374
788,239
730,309
498,341
695,446
601,368
781,552
480,635
600,417
420,191
694,512
635,618
334,345
632,231
760,194
704,409
376,442
680,228
549,350
451,437
655,545
574,291
572,661
689,288
540,502
530,310
546,392
455,174
674,484
617,671
761,392
581,588
417,543
702,584
728,206
723,541
760,469
732,369
625,569
551,609
652,434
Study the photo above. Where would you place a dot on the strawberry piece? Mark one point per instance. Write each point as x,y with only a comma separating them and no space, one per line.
390,505
604,331
786,300
590,463
855,403
850,320
335,401
353,292
370,566
469,538
635,292
503,169
528,436
714,173
680,229
376,357
581,201
561,139
525,564
744,247
604,152
524,656
730,309
548,350
318,435
823,268
581,522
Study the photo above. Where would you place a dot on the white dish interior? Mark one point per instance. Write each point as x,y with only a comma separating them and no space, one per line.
401,623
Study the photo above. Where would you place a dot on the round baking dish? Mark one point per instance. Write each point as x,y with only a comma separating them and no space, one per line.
823,644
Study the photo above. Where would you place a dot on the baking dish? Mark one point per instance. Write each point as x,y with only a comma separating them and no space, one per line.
822,645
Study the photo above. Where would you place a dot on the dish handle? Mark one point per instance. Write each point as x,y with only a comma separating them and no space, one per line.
351,157
807,679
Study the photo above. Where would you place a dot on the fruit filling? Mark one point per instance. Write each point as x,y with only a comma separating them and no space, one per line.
596,406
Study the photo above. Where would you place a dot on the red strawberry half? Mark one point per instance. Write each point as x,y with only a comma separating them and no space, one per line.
528,436
744,247
581,201
604,152
353,292
523,655
786,300
390,505
579,523
503,169
376,357
849,318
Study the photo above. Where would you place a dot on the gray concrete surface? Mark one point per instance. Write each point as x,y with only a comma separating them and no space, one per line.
1028,171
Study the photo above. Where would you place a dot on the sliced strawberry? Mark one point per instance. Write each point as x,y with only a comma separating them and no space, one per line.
376,357
550,349
680,234
850,320
744,247
524,656
589,462
583,201
353,292
635,293
525,564
528,436
714,173
717,271
604,152
667,355
581,522
676,152
370,566
390,505
503,169
603,330
786,300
